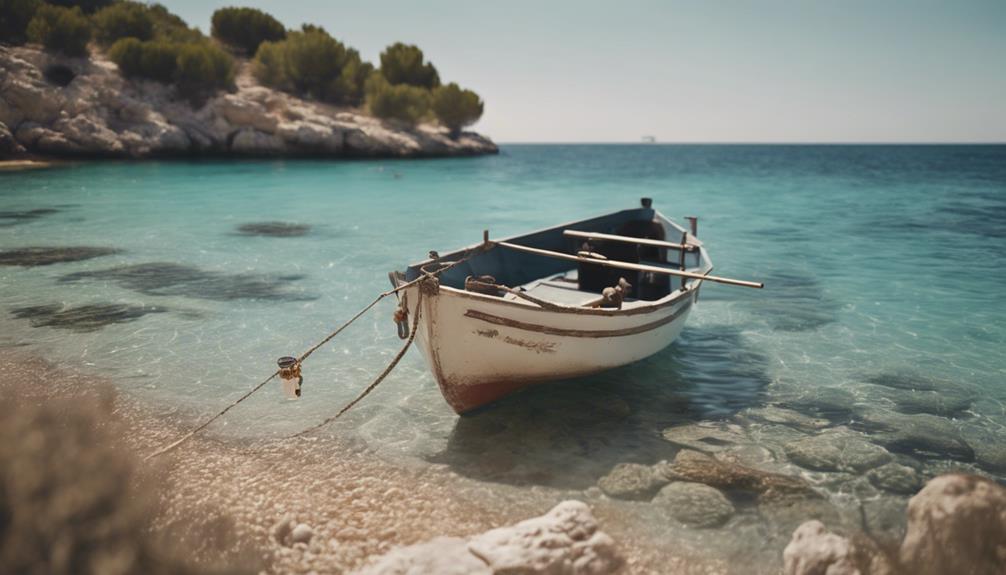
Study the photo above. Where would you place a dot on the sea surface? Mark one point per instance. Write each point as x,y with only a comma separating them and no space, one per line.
883,313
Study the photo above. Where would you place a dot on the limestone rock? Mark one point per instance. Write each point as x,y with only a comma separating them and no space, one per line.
837,450
695,504
101,113
814,550
631,481
956,524
252,142
565,540
446,555
8,145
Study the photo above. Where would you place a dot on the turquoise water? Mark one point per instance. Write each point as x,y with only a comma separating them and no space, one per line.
884,269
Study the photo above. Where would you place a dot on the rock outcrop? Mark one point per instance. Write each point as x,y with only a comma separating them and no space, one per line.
101,114
564,541
956,524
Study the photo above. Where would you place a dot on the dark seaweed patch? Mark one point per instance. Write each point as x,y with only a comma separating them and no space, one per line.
170,279
84,318
274,229
44,256
14,217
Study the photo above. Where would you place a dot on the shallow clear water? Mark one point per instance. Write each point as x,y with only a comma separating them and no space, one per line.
884,269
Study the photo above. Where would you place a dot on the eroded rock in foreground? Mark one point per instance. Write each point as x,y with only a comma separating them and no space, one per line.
101,114
956,524
564,541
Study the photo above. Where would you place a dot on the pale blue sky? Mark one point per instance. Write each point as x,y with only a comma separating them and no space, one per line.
695,70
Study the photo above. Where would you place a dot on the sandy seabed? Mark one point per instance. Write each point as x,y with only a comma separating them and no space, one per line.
220,499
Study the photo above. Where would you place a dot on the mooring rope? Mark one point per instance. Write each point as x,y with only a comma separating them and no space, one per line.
423,276
380,378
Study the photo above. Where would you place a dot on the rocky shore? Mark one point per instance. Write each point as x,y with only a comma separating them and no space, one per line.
56,106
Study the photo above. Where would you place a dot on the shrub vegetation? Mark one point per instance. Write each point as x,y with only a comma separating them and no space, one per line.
402,102
124,20
14,18
403,64
313,63
456,108
246,28
60,29
87,6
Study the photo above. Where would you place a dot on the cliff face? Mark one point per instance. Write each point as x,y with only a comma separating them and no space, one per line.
98,113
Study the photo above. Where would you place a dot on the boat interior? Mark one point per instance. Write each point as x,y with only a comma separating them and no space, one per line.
636,236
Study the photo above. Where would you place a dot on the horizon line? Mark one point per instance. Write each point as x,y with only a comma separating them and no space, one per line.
751,143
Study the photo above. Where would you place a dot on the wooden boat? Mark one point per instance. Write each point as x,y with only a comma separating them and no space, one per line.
553,304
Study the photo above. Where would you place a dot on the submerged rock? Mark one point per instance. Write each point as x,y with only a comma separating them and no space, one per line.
44,256
632,481
709,437
895,477
956,524
564,541
274,229
831,402
700,468
989,446
695,504
916,433
839,449
84,318
782,416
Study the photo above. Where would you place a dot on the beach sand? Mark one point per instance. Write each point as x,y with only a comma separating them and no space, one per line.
221,500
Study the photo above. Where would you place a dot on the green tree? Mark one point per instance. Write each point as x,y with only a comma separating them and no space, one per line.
246,28
456,108
59,29
313,60
14,18
169,26
402,102
203,68
87,6
124,20
403,64
154,60
269,65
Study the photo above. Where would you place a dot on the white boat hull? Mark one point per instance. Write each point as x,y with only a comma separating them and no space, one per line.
481,348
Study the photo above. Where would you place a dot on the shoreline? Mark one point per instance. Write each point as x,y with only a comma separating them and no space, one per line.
359,505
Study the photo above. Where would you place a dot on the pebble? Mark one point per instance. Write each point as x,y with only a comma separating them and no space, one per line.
302,533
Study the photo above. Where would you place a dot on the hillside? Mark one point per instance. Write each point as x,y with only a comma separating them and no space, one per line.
55,105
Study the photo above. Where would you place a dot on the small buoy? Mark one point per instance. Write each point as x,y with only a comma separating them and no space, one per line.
289,373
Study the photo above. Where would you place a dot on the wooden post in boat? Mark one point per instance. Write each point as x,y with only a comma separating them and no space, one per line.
681,258
693,224
485,239
628,266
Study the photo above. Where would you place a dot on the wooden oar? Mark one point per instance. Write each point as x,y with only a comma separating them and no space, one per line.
628,265
626,239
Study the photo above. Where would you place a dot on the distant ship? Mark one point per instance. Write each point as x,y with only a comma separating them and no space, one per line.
649,139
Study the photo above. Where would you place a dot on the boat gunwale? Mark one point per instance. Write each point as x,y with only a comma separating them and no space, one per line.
670,299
